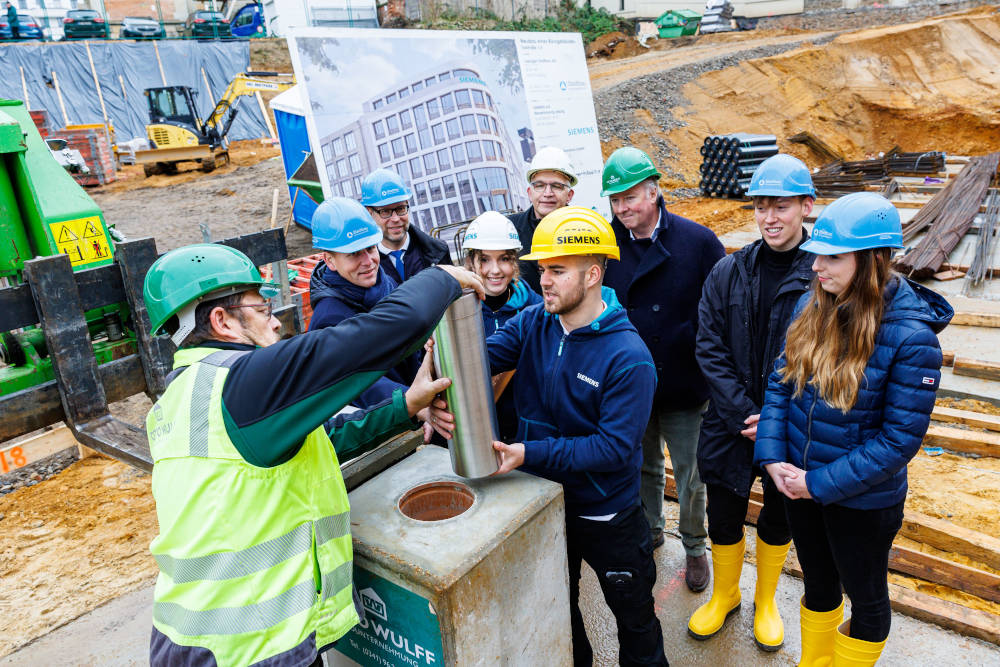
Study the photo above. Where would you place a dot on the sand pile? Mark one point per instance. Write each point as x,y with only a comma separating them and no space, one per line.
923,86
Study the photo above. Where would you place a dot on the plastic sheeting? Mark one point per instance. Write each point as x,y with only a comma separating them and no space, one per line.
124,70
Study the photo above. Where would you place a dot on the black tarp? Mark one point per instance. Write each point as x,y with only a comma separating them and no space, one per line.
124,70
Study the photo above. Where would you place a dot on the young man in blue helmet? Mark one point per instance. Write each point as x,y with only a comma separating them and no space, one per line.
351,280
405,250
745,309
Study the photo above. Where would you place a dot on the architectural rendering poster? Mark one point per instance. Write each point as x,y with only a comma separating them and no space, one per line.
458,115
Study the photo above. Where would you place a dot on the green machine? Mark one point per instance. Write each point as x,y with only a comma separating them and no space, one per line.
44,211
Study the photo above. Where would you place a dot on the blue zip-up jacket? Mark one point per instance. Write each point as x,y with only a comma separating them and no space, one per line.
333,302
522,297
859,459
583,400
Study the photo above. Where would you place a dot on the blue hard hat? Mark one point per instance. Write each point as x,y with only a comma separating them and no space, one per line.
781,176
857,221
343,225
383,186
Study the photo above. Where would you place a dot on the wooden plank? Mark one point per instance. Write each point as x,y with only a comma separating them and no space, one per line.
977,368
960,440
948,357
963,620
25,452
947,536
973,319
943,571
967,417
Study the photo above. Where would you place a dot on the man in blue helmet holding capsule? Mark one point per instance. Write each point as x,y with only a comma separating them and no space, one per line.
405,250
351,280
746,305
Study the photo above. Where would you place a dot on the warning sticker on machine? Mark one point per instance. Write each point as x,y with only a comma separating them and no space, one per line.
83,240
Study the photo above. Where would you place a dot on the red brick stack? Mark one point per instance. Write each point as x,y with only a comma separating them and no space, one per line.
42,121
95,147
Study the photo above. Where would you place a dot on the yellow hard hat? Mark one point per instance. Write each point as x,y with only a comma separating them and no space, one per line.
573,230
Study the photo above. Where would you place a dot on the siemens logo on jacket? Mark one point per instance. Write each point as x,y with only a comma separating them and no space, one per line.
578,239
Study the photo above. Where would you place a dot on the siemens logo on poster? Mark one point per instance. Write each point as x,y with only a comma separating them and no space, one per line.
385,638
578,131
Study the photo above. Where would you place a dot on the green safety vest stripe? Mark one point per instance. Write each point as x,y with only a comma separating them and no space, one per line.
233,564
336,581
237,620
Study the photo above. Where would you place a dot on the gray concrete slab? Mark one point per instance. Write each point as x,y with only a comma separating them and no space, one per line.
117,634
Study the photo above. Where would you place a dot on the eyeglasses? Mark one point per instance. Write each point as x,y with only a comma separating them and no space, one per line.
539,186
267,305
386,213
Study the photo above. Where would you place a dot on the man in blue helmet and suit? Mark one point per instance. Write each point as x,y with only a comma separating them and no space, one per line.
746,306
405,250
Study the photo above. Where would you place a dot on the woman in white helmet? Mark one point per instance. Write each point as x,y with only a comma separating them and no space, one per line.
491,246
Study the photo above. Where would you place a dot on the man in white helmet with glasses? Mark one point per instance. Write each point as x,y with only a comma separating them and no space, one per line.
550,186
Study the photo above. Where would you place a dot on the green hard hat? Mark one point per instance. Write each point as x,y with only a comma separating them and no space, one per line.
626,168
185,275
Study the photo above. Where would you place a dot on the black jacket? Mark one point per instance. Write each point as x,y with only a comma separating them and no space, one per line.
661,296
727,329
423,252
525,223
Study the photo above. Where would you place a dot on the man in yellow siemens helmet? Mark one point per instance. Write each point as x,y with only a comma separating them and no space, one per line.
582,392
254,548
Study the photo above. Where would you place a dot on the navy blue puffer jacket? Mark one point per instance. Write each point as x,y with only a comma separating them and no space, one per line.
859,459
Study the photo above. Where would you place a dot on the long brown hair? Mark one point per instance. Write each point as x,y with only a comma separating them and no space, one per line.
829,345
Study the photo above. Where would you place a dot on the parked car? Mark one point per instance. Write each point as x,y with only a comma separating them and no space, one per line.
249,21
207,24
141,27
27,27
85,24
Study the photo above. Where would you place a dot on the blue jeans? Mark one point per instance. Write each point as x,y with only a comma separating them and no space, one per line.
679,428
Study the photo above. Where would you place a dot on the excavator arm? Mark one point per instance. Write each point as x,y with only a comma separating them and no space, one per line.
222,116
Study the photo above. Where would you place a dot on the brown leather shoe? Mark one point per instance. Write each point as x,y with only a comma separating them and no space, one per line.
696,575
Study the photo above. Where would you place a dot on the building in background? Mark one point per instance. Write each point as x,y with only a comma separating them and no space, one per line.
283,14
50,13
444,134
651,9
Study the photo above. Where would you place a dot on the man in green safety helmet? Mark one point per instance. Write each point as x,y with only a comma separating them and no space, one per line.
665,259
254,548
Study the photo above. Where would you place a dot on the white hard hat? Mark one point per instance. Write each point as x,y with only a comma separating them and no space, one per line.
551,158
491,231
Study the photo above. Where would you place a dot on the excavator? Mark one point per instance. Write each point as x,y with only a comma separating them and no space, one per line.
177,134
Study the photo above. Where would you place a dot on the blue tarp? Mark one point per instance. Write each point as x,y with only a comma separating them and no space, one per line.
124,70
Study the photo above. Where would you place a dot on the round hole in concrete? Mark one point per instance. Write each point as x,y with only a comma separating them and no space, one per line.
436,501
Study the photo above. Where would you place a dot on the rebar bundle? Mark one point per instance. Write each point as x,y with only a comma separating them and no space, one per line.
929,162
730,160
982,261
841,178
947,217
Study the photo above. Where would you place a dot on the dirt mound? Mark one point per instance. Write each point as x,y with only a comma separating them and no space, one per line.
71,543
923,86
614,45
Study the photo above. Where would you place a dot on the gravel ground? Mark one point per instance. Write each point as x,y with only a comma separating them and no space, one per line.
830,14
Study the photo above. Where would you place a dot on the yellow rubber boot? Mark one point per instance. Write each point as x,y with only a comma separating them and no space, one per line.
768,630
819,630
850,652
727,563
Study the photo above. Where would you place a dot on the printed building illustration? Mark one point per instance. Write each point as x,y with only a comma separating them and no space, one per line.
443,133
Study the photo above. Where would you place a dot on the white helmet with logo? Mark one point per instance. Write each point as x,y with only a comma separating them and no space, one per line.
551,158
491,231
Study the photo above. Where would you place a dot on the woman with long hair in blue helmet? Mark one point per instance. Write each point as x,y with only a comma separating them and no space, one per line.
846,409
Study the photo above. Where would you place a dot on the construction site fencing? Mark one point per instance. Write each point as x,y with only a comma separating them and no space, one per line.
103,82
